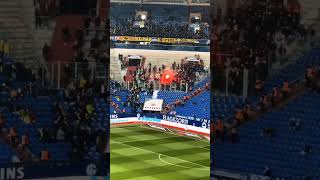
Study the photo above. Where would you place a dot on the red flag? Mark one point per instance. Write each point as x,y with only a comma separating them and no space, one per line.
167,76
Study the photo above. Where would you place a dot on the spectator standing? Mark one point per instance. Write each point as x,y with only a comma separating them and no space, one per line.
44,155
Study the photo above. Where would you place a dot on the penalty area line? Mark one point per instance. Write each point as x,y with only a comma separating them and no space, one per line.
177,165
159,157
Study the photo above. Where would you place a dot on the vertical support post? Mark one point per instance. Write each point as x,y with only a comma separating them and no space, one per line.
245,83
76,70
52,75
93,70
227,81
59,75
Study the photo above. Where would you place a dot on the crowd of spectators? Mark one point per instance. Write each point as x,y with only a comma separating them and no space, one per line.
89,42
166,22
4,48
10,96
93,34
167,28
98,43
186,74
75,122
278,96
252,38
133,100
89,46
169,108
76,118
45,10
312,76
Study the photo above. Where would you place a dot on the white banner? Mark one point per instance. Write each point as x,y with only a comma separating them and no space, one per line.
153,105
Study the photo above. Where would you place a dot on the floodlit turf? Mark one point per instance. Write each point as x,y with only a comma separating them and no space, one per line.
141,153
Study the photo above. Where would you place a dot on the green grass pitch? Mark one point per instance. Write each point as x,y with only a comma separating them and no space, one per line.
141,153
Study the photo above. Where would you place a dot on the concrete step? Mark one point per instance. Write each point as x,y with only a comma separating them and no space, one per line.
11,10
16,17
8,3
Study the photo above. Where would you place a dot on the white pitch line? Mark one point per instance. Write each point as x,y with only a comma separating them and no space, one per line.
177,165
205,147
145,140
163,155
167,133
169,137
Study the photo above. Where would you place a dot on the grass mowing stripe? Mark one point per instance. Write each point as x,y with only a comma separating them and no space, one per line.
155,139
140,167
137,136
171,152
181,138
122,159
132,163
166,140
168,151
163,155
137,129
161,132
154,171
152,129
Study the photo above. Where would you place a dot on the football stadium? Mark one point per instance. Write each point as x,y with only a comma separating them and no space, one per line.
266,52
160,90
54,89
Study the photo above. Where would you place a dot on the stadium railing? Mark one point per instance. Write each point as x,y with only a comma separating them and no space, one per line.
163,47
61,73
157,86
44,22
185,87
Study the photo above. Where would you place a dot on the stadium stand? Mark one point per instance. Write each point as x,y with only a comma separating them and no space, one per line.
173,73
44,127
246,50
32,113
283,125
191,75
196,107
65,25
163,22
283,149
272,133
6,153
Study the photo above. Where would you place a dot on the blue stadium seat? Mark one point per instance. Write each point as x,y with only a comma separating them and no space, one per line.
282,153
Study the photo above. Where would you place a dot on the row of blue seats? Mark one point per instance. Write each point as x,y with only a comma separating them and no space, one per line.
281,153
198,106
6,153
294,71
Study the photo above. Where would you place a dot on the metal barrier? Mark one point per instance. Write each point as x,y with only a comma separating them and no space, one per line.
44,22
156,85
62,73
163,47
